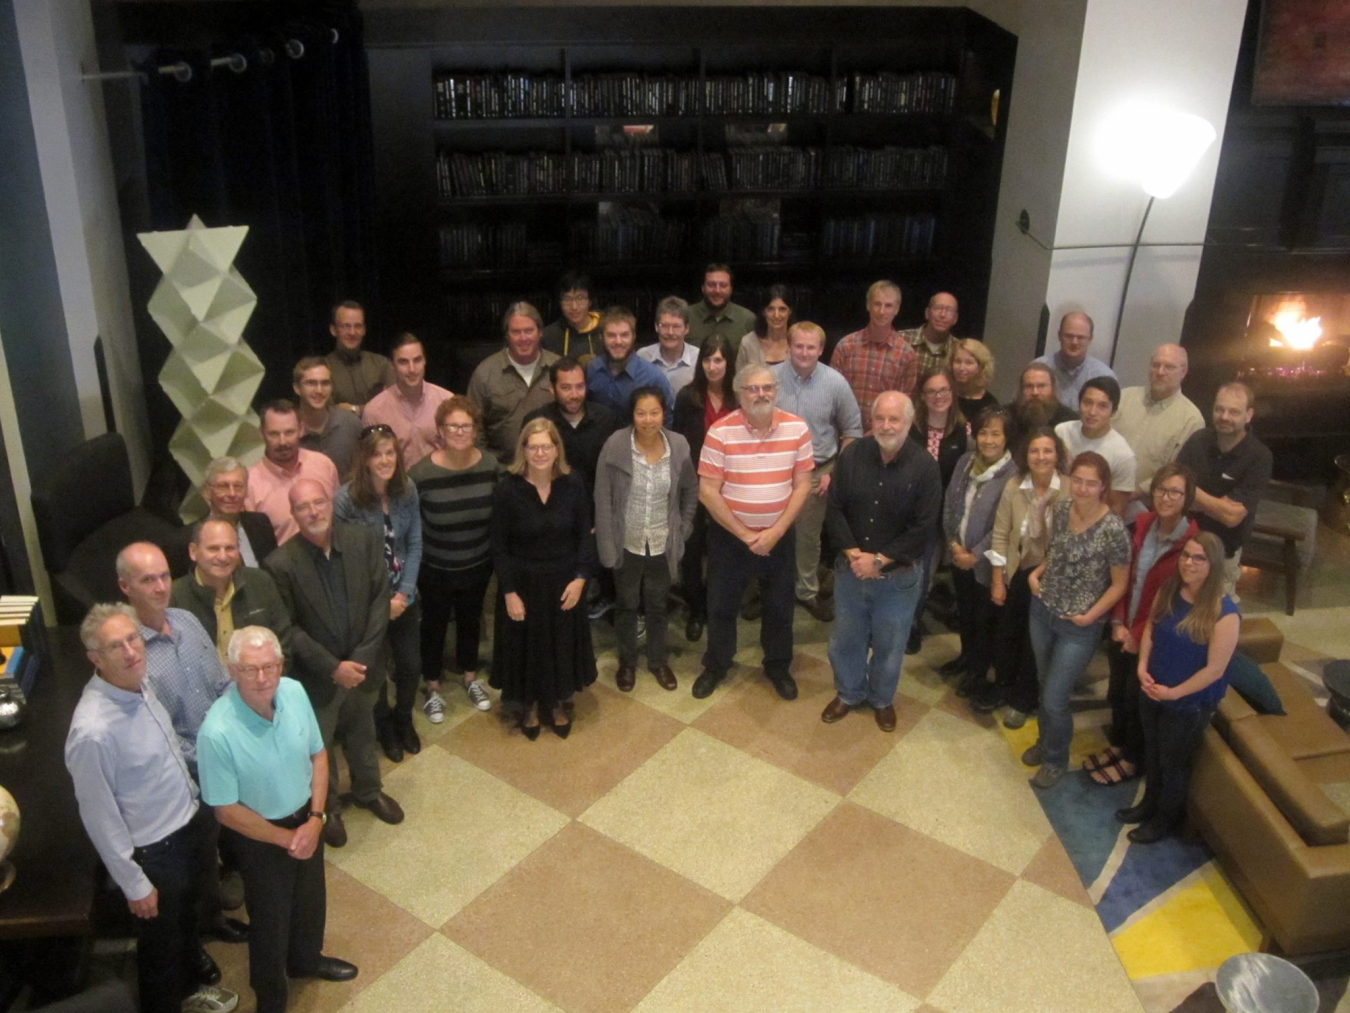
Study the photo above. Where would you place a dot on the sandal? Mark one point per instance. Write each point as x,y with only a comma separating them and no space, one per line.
1115,771
1108,756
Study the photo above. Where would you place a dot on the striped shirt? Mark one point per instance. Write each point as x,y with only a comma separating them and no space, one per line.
874,367
456,506
756,473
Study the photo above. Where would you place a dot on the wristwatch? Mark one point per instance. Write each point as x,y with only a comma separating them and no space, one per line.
322,816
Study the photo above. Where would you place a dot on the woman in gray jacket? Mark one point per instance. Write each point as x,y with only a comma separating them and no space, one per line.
645,497
968,521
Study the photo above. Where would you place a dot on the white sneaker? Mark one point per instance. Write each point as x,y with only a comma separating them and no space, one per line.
478,696
434,708
209,999
641,629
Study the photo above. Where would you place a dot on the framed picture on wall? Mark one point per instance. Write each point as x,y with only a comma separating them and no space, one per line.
1301,53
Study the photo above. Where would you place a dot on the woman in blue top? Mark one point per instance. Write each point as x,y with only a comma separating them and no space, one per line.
1183,660
380,494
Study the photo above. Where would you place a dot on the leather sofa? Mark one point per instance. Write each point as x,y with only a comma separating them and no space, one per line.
1255,797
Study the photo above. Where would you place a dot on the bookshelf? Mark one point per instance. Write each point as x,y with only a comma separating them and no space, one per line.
824,147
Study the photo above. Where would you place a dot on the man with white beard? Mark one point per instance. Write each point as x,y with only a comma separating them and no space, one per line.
754,477
881,512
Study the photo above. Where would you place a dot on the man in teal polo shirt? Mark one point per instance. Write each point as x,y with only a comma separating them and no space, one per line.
264,770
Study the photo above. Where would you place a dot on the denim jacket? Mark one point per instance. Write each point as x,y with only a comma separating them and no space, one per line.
406,516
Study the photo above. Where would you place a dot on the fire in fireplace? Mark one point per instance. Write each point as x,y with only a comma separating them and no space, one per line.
1297,337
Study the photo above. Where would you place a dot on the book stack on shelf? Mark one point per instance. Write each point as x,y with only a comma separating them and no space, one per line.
886,168
631,235
498,96
23,637
475,246
773,167
872,237
634,94
767,93
924,92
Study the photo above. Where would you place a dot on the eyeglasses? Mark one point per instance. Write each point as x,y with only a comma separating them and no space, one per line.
130,640
760,388
1084,483
1165,367
575,300
940,392
1194,557
670,328
253,671
458,427
382,429
543,448
1166,493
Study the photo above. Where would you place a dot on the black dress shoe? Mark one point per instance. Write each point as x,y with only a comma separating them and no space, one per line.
915,640
706,683
407,735
385,808
1151,832
335,831
329,969
1140,813
988,700
783,684
954,667
693,630
207,971
229,930
388,740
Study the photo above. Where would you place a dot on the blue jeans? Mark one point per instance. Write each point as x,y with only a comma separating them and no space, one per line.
1063,651
871,616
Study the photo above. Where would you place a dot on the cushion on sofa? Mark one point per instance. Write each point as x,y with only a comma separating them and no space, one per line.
1247,679
1315,818
1261,640
1305,731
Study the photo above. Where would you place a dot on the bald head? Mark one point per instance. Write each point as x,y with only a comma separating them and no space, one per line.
940,317
143,576
312,508
1166,370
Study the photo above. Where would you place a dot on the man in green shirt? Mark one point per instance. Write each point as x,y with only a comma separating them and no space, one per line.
715,313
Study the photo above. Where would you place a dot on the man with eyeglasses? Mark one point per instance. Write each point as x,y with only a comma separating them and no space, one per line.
1232,469
224,490
139,806
1072,366
933,341
358,373
408,408
265,772
754,478
331,431
576,333
675,357
284,462
1156,420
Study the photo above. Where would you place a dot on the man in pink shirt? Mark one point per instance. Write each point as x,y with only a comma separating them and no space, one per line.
409,406
754,477
284,463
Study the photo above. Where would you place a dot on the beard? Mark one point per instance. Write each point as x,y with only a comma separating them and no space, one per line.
758,415
1031,414
889,444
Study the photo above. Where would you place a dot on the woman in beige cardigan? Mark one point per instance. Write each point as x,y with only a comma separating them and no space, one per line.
1017,548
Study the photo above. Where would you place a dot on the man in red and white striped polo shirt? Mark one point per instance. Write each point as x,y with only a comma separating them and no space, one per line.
754,477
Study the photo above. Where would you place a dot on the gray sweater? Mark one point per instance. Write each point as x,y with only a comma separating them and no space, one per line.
614,477
980,525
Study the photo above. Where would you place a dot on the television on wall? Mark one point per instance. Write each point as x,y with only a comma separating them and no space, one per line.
1303,53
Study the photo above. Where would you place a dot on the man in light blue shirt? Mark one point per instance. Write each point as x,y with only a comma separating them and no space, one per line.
675,357
265,771
139,807
819,394
612,376
1071,365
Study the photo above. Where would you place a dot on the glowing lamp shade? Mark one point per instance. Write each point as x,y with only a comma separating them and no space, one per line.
1153,144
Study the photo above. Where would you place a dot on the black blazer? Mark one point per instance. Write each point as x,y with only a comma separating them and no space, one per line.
257,526
317,644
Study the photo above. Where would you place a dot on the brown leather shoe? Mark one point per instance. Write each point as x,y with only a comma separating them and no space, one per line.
834,710
886,718
820,609
334,831
385,808
665,678
625,677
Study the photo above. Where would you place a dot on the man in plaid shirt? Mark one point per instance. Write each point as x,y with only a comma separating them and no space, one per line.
933,341
877,358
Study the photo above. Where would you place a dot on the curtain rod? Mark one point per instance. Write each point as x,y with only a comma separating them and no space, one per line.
182,71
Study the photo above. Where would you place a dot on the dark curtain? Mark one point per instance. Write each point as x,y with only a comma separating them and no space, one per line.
283,147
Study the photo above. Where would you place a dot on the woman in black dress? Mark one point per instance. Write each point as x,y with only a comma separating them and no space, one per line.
541,520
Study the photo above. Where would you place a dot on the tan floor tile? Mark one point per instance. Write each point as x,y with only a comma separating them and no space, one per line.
611,735
1052,869
1037,953
352,909
920,681
586,923
958,707
791,735
951,779
748,965
439,976
711,812
464,829
901,905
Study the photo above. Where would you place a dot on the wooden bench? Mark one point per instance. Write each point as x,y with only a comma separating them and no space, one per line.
1283,538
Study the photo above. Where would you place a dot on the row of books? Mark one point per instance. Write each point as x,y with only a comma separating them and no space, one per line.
464,95
502,245
661,170
23,636
631,235
879,237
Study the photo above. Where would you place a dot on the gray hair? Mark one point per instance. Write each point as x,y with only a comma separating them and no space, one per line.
92,626
252,636
747,372
223,466
672,306
906,402
521,309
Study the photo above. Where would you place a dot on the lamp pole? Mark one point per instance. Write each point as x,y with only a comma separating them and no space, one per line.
1129,270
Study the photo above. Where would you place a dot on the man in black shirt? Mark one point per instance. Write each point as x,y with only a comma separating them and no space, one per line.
1037,403
882,512
1232,469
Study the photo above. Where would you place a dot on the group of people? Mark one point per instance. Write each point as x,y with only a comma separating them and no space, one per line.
726,461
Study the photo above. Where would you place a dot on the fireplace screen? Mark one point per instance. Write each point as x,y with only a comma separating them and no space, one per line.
1297,336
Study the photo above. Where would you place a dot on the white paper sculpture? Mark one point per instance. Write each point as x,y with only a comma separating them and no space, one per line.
202,304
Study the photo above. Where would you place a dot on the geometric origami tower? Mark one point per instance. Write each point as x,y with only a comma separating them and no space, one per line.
202,304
